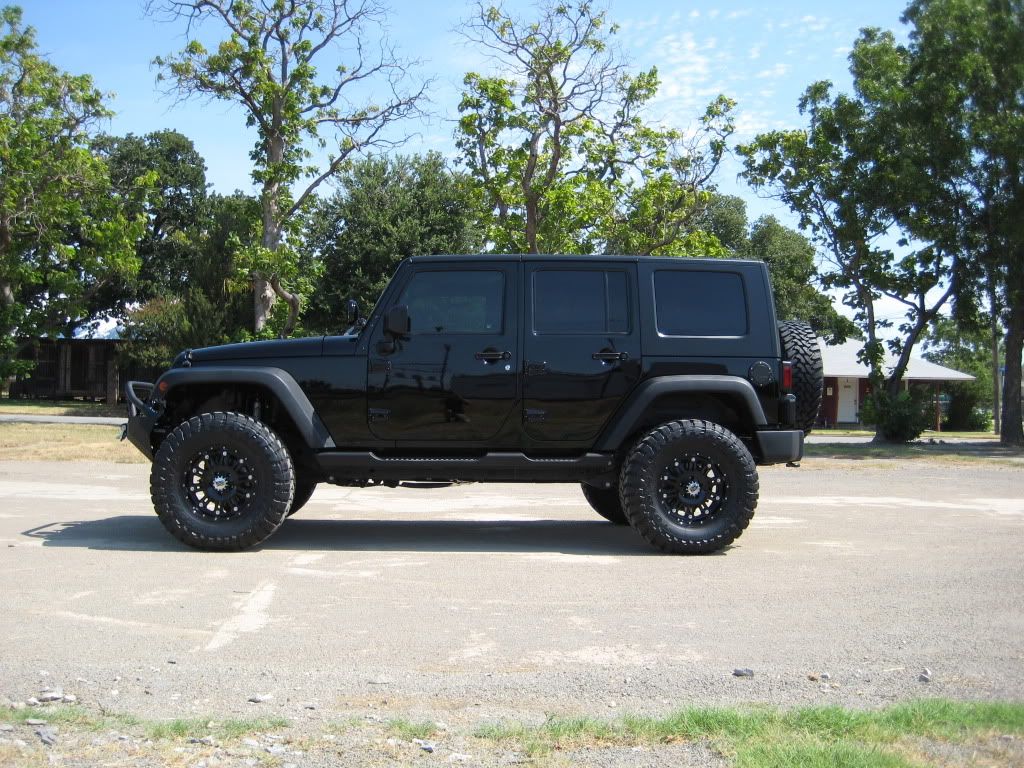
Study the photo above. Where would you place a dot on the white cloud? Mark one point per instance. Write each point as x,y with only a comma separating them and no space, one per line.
841,51
695,14
778,70
813,24
737,14
755,52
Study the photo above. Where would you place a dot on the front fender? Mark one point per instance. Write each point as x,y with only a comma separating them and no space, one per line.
277,381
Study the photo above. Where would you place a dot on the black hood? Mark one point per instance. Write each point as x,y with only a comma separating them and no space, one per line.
260,350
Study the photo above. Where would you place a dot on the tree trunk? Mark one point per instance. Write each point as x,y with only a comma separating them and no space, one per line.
262,293
294,304
996,409
1012,430
531,224
263,298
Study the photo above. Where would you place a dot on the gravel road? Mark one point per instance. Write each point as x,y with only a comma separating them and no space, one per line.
478,603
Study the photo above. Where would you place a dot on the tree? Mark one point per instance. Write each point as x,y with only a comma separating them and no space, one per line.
725,217
267,64
200,305
558,142
384,210
966,75
64,231
970,406
790,259
858,178
173,211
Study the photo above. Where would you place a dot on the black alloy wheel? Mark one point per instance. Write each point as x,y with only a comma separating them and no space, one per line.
693,487
220,483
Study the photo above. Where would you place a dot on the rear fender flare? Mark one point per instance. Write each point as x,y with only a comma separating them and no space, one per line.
624,422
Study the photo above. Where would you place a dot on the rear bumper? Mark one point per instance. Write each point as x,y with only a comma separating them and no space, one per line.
779,447
141,417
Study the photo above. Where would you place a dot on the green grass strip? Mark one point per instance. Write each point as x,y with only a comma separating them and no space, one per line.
762,737
172,730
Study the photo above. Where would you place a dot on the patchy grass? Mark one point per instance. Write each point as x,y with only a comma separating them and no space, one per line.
799,738
173,730
60,407
988,451
61,714
408,730
222,730
65,442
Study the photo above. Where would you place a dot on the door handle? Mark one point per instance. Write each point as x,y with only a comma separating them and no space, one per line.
610,357
493,355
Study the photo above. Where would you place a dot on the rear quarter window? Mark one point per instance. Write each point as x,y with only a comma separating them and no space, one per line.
700,303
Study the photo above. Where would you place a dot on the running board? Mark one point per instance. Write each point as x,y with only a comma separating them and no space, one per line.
502,467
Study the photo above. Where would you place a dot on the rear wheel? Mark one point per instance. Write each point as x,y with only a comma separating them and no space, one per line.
222,481
800,347
689,487
606,503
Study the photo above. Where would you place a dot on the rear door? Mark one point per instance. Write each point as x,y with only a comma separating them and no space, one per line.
582,346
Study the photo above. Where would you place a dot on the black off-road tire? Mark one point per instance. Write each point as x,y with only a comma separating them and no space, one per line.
677,465
303,492
222,481
800,347
606,503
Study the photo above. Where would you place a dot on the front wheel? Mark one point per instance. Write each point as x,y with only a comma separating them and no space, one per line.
222,481
689,487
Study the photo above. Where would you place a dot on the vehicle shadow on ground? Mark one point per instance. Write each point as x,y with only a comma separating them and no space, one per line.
144,533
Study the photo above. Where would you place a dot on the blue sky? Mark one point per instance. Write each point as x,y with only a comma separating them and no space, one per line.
761,54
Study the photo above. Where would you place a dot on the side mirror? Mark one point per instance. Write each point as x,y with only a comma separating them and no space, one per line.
351,312
396,321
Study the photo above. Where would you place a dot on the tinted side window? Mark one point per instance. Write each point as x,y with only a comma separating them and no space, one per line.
580,301
700,303
455,302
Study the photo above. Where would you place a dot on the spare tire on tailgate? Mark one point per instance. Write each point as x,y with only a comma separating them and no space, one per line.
800,347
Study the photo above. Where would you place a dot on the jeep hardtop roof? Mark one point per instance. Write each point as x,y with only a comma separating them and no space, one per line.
563,257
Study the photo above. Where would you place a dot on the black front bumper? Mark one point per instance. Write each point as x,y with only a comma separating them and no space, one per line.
142,417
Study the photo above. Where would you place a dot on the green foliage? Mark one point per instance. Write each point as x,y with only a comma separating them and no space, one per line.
207,302
65,232
384,210
558,143
967,350
159,329
173,210
899,418
790,259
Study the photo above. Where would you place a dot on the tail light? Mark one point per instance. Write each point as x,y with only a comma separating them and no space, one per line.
787,376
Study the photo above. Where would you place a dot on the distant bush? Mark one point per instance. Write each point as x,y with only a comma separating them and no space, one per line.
899,419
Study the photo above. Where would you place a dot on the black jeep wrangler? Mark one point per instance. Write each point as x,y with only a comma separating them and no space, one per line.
656,383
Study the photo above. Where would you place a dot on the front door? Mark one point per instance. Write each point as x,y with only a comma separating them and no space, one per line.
582,350
849,408
454,375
